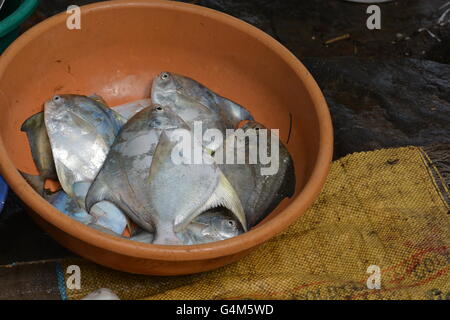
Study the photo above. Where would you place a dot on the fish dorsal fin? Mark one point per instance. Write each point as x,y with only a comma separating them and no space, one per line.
117,116
98,98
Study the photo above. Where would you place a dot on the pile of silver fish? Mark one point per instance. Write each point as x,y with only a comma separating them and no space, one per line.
117,176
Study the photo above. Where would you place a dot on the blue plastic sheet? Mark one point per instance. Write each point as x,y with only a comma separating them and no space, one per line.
3,193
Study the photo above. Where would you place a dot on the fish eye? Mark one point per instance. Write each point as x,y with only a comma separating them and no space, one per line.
56,98
231,223
159,108
165,76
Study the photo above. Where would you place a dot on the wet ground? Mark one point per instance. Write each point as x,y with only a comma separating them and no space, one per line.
385,88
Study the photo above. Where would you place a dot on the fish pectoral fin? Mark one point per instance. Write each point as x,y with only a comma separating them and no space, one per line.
121,119
235,112
98,98
163,151
223,196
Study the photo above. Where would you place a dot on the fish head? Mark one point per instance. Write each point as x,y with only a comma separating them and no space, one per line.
223,225
169,81
59,103
166,84
214,225
158,117
166,81
163,88
80,105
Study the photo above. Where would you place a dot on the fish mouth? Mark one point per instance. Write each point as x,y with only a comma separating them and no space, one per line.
224,196
49,104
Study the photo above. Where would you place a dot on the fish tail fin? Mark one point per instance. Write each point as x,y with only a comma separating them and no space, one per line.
225,196
235,112
167,238
35,181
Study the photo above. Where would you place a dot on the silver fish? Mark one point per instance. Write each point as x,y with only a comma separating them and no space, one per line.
145,187
167,84
127,166
103,214
186,107
213,225
180,192
259,194
81,131
39,142
41,150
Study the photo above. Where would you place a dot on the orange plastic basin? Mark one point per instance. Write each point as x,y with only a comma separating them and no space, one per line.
121,46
